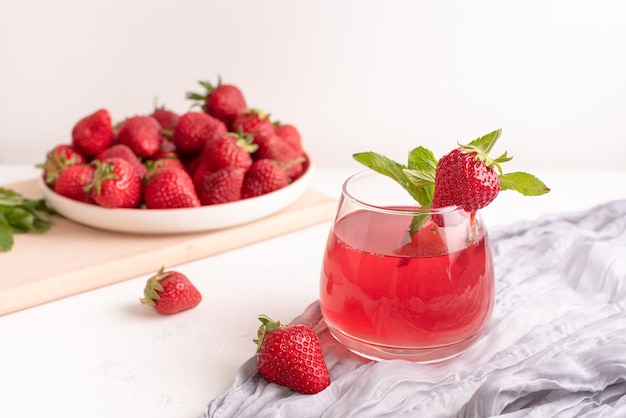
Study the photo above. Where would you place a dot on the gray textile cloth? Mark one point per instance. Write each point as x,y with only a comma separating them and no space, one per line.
556,345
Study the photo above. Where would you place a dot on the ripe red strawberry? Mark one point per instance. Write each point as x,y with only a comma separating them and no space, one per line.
93,133
116,184
124,152
465,179
74,180
224,101
169,159
426,242
170,188
227,150
170,292
167,118
254,122
221,186
291,356
263,176
290,134
142,134
194,130
58,159
273,147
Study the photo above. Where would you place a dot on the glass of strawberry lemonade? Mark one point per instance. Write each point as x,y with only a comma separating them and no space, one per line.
387,293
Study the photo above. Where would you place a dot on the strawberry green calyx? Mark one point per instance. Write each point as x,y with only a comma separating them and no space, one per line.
524,183
200,98
261,114
55,163
153,287
482,146
244,140
104,171
168,133
267,325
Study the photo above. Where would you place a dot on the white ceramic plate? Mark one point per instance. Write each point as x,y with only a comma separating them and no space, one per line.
171,221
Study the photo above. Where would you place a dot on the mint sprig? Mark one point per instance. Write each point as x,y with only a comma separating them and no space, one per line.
418,176
20,215
523,183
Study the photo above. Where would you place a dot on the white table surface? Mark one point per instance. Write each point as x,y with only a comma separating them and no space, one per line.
103,354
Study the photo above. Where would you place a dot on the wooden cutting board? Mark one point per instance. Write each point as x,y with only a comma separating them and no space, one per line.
71,258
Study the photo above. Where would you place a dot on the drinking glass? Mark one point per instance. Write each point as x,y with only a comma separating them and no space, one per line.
388,294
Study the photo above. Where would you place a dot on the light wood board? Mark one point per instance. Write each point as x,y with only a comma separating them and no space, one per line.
71,258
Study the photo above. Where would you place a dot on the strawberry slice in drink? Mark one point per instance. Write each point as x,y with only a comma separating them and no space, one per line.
427,242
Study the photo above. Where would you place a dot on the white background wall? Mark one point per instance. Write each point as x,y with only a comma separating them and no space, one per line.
353,75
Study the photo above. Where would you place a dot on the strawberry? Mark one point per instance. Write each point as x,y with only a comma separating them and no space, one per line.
263,176
116,184
124,152
221,186
273,147
465,177
93,133
224,101
57,159
290,134
463,180
253,121
167,118
169,159
194,130
170,188
291,356
142,134
227,150
73,181
170,292
427,242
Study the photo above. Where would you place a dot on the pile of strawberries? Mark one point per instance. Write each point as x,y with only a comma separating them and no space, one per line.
220,153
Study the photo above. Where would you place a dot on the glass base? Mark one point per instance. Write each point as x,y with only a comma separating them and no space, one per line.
424,355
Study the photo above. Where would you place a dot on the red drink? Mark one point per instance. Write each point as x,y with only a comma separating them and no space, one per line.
384,295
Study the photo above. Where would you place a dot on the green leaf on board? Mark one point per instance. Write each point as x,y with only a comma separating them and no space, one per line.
20,215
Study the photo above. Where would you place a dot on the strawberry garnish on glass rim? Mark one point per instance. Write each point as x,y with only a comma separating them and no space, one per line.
466,177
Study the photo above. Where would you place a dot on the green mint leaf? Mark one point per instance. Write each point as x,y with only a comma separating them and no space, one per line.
19,219
420,177
485,143
6,234
10,198
395,171
422,159
424,181
382,165
20,215
418,222
524,183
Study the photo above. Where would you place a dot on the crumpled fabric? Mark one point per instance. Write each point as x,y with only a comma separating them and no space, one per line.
555,347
